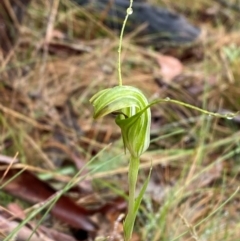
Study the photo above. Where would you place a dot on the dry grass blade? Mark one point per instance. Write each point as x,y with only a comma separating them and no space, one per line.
64,54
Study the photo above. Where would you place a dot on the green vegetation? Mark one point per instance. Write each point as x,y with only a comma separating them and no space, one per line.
192,193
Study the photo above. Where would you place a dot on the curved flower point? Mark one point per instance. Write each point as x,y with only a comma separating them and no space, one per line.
133,115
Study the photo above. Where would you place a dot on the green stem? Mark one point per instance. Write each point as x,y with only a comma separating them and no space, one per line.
132,181
129,12
167,99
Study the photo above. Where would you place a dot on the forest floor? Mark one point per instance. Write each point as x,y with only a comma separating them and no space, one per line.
50,144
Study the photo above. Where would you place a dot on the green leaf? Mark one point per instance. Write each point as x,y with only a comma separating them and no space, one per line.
130,219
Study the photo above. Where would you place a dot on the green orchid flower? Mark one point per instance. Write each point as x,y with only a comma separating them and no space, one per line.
133,115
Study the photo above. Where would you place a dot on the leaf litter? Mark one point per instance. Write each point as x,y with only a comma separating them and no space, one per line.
45,116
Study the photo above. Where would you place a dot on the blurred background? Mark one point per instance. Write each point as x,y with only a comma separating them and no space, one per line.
67,171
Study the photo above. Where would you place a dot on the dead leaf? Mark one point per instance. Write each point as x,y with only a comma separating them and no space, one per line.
15,209
170,67
55,234
8,160
29,188
16,214
7,226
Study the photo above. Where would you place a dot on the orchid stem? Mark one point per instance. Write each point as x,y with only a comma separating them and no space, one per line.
132,181
129,12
